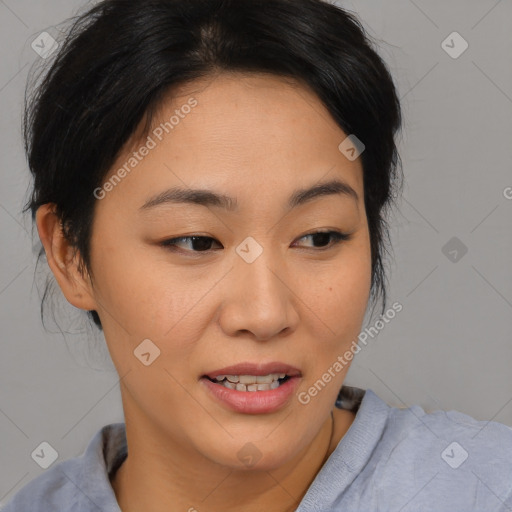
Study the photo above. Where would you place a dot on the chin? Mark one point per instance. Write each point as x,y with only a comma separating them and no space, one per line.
256,455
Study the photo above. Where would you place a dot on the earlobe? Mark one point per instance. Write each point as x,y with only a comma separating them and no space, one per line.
63,259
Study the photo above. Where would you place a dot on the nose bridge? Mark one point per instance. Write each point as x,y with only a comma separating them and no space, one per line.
261,301
260,277
258,268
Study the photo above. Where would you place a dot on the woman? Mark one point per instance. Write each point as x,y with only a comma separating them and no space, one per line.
210,183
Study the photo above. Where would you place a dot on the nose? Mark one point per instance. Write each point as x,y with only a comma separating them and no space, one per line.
259,299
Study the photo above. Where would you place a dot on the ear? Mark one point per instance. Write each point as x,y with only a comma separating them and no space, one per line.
62,260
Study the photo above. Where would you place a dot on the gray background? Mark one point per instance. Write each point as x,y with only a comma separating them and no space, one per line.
449,348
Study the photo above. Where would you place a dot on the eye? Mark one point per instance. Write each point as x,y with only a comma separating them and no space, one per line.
322,237
197,243
204,243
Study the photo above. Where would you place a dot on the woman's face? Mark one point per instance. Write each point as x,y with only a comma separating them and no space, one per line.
259,289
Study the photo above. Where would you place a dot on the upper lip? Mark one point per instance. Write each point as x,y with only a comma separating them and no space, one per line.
248,368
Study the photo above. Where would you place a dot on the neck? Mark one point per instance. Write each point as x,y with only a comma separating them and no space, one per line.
161,474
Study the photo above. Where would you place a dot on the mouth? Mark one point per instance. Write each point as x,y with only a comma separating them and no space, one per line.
253,388
251,382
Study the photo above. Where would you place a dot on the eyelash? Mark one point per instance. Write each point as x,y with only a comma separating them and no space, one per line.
338,238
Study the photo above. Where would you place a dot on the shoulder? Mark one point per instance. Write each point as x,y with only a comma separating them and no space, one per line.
409,459
443,457
80,483
52,490
470,439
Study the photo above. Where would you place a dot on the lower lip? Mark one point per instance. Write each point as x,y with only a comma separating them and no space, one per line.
253,402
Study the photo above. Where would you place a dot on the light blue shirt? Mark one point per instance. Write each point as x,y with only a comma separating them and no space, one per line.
390,460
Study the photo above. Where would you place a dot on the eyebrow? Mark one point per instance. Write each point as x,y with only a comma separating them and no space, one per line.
208,198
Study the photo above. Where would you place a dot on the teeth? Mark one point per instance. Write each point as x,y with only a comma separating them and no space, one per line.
251,379
251,382
247,379
250,387
264,379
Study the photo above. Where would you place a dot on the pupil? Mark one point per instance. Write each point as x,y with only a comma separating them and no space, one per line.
201,243
324,237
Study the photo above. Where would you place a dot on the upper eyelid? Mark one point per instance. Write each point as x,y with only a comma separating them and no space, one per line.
342,236
329,231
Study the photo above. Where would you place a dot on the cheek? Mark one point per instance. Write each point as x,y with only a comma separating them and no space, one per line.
339,292
143,296
338,304
147,297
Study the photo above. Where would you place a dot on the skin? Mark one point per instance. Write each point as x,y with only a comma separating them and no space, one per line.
256,138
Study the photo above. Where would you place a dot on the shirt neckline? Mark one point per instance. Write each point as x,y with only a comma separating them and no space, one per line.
350,455
109,449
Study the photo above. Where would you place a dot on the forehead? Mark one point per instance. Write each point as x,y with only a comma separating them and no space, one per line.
268,109
257,130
